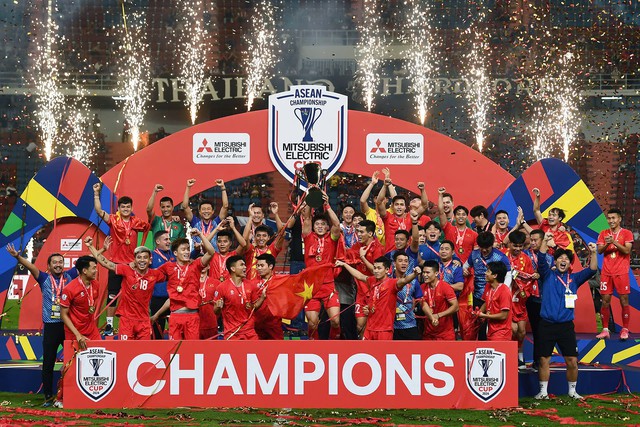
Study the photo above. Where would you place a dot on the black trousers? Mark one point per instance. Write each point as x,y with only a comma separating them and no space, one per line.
158,327
482,332
52,338
533,312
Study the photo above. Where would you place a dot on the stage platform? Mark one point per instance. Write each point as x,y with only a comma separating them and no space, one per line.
605,366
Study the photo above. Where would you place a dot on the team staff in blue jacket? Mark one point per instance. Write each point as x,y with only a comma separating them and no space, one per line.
559,291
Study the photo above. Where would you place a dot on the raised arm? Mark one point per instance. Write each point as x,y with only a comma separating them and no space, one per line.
188,213
109,265
380,204
415,232
206,244
407,279
307,226
352,271
224,209
242,242
35,272
152,201
333,218
392,189
273,207
364,206
424,200
536,206
593,261
96,203
441,214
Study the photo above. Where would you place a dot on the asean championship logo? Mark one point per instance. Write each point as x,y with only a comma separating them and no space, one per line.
96,372
486,373
307,124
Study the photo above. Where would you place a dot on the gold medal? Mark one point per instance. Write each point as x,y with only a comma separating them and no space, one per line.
523,294
134,287
127,241
222,278
179,289
92,309
461,250
613,254
318,258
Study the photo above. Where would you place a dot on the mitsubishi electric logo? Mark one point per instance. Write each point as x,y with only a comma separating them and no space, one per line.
205,147
395,149
221,148
378,147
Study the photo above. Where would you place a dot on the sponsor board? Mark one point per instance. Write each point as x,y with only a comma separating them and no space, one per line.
217,148
395,149
71,245
17,286
297,374
307,124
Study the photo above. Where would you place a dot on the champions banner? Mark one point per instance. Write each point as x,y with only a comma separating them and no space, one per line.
296,374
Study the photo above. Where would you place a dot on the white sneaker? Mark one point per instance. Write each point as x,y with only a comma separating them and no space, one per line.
541,396
57,404
576,396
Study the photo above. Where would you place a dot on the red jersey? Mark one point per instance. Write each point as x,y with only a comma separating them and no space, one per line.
374,251
464,241
615,263
183,284
218,266
136,292
125,237
235,313
521,270
423,220
78,299
319,250
208,319
438,300
393,223
382,303
497,300
263,314
499,242
252,252
561,238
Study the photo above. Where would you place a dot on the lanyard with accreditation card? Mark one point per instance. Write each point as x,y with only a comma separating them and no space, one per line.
569,297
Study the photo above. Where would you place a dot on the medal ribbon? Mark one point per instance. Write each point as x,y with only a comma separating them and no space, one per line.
460,238
567,283
90,298
222,261
127,228
206,231
431,297
320,248
56,289
161,255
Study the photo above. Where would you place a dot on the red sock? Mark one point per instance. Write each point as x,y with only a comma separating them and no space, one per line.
625,316
605,313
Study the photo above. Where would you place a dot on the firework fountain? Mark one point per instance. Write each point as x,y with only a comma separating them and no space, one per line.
421,55
262,50
479,93
45,74
193,48
134,83
368,53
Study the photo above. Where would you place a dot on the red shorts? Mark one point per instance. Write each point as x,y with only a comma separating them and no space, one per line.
377,335
248,335
327,295
207,333
134,329
184,326
270,330
500,335
438,335
519,311
621,284
93,336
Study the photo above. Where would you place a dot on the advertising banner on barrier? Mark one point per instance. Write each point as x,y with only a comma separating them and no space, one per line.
294,374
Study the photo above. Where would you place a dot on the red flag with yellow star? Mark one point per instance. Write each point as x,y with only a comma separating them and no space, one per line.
287,294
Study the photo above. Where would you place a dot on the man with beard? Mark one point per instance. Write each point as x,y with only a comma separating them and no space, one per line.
167,221
559,289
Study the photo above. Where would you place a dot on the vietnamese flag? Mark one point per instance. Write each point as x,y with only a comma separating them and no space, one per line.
287,294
